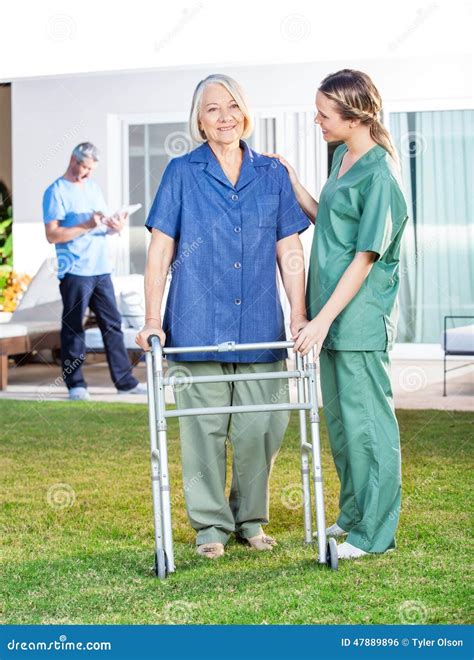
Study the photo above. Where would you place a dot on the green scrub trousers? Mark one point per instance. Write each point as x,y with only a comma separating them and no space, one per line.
365,444
255,437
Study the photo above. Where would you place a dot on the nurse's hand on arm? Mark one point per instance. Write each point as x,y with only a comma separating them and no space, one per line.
307,202
57,234
347,287
160,256
290,259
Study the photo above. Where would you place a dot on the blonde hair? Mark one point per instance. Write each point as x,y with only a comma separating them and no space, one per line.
237,93
356,97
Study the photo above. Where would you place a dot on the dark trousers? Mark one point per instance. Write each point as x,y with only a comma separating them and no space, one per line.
96,292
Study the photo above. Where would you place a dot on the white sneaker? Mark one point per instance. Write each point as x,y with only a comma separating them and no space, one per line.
79,394
348,551
141,388
334,531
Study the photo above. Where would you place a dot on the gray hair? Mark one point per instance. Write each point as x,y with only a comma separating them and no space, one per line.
237,93
86,150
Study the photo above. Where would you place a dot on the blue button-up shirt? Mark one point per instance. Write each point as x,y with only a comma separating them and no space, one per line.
223,276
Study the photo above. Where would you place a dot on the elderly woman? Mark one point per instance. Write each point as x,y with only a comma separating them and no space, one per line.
223,218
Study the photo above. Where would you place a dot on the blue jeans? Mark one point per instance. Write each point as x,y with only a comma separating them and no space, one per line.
96,292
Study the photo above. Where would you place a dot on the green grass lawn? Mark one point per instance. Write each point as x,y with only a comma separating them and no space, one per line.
87,559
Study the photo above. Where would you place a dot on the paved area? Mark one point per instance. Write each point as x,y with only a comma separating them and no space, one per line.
416,384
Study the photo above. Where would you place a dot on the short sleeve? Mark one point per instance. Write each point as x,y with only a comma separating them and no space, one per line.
53,207
375,225
165,213
291,219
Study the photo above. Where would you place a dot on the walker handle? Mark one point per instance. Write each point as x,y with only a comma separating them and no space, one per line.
151,337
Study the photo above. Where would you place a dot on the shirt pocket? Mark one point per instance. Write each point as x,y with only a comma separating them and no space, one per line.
267,206
382,279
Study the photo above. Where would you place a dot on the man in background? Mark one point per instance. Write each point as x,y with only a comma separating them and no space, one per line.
76,221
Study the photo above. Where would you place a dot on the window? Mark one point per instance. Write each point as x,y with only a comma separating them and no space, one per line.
150,148
437,162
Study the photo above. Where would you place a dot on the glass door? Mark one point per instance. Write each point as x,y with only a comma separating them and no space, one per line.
436,151
150,148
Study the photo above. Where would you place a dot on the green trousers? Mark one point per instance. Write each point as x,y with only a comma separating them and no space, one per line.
365,443
255,437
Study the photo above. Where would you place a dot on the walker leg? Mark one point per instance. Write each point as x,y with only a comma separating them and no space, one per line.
160,564
159,391
317,467
305,469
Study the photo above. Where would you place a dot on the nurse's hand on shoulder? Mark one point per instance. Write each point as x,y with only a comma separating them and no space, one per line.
149,329
290,169
313,334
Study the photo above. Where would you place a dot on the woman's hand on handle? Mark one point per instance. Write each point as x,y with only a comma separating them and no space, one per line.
313,334
297,323
148,330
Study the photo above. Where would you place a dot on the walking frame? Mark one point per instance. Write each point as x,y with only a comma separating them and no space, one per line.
305,375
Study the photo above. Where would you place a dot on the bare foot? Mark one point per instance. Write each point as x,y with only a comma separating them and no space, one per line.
262,542
210,550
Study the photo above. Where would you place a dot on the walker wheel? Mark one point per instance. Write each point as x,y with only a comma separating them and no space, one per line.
332,560
160,564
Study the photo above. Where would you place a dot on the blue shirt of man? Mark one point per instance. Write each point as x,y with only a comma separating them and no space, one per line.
72,204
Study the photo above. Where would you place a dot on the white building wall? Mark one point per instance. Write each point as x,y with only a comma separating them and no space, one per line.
5,137
51,115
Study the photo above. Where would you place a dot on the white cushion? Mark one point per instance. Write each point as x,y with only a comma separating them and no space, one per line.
130,297
12,330
132,308
133,282
460,340
29,328
42,299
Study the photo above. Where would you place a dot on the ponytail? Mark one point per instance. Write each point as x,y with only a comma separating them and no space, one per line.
381,136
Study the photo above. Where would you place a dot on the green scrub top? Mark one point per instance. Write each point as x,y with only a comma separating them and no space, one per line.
363,210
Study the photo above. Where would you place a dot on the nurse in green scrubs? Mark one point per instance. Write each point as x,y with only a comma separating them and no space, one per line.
352,308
